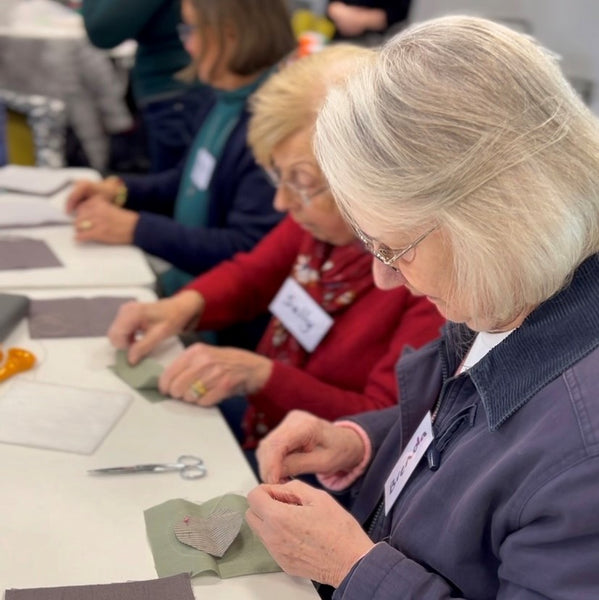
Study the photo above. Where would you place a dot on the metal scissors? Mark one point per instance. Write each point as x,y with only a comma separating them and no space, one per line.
189,467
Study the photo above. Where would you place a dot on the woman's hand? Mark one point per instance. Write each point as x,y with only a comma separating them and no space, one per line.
140,327
306,531
86,189
98,221
303,443
206,375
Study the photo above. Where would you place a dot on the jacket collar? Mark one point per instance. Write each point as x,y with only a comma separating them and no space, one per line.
555,336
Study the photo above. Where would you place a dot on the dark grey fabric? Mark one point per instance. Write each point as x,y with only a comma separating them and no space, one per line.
26,253
13,308
177,587
73,317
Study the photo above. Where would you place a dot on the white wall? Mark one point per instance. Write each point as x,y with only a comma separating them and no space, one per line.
568,27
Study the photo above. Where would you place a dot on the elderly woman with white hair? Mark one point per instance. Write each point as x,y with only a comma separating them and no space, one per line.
470,169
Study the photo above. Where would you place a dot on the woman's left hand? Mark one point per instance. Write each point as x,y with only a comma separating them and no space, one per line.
99,221
306,531
206,374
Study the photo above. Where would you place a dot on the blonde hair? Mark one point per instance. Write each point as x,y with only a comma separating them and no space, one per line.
464,123
290,99
263,27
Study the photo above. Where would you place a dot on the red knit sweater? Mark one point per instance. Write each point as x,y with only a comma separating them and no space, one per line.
352,369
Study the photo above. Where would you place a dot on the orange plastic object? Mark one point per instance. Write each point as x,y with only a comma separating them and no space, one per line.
17,361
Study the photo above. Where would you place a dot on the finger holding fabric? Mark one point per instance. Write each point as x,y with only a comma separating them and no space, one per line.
99,221
306,531
217,373
303,443
139,327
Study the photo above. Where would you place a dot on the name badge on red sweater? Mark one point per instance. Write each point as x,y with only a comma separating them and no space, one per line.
410,457
306,320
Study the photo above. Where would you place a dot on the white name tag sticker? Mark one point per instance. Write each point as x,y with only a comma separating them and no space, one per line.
410,457
300,314
203,167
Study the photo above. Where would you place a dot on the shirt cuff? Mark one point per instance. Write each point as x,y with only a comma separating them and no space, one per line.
343,479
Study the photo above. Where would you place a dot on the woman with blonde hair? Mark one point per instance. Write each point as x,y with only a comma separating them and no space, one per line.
470,168
333,340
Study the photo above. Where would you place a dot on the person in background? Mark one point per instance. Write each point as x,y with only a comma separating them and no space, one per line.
357,18
471,168
219,201
316,268
167,104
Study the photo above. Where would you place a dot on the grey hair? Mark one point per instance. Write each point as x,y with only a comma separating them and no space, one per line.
464,123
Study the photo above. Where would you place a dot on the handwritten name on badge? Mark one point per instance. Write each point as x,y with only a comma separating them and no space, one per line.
410,457
300,314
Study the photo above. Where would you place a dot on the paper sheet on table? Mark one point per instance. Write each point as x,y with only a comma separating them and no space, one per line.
73,317
58,417
177,587
247,555
23,211
18,252
32,180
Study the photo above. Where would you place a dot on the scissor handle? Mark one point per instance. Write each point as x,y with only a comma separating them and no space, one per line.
192,466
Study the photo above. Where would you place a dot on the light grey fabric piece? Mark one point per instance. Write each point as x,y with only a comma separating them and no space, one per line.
73,317
26,253
177,587
212,534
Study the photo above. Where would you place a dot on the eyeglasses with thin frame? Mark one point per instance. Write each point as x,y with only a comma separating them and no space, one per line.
304,193
185,31
389,256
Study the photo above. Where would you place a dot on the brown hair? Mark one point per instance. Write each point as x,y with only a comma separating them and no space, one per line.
263,28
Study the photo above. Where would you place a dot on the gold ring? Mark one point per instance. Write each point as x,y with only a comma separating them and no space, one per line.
198,389
85,225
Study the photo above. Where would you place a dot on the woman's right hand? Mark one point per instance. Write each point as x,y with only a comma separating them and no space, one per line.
303,443
139,327
84,189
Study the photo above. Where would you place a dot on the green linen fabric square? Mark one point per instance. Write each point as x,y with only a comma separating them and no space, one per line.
245,556
143,377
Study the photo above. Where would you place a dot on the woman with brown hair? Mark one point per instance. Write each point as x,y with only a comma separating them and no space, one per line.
219,201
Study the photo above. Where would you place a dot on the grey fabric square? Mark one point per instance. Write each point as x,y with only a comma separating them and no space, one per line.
26,253
73,317
177,587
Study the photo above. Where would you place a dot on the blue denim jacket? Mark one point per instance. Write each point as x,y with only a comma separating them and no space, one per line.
510,508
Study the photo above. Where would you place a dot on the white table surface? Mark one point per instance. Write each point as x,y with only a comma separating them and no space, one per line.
60,526
84,265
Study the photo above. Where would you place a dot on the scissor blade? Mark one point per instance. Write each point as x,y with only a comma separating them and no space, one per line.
131,469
